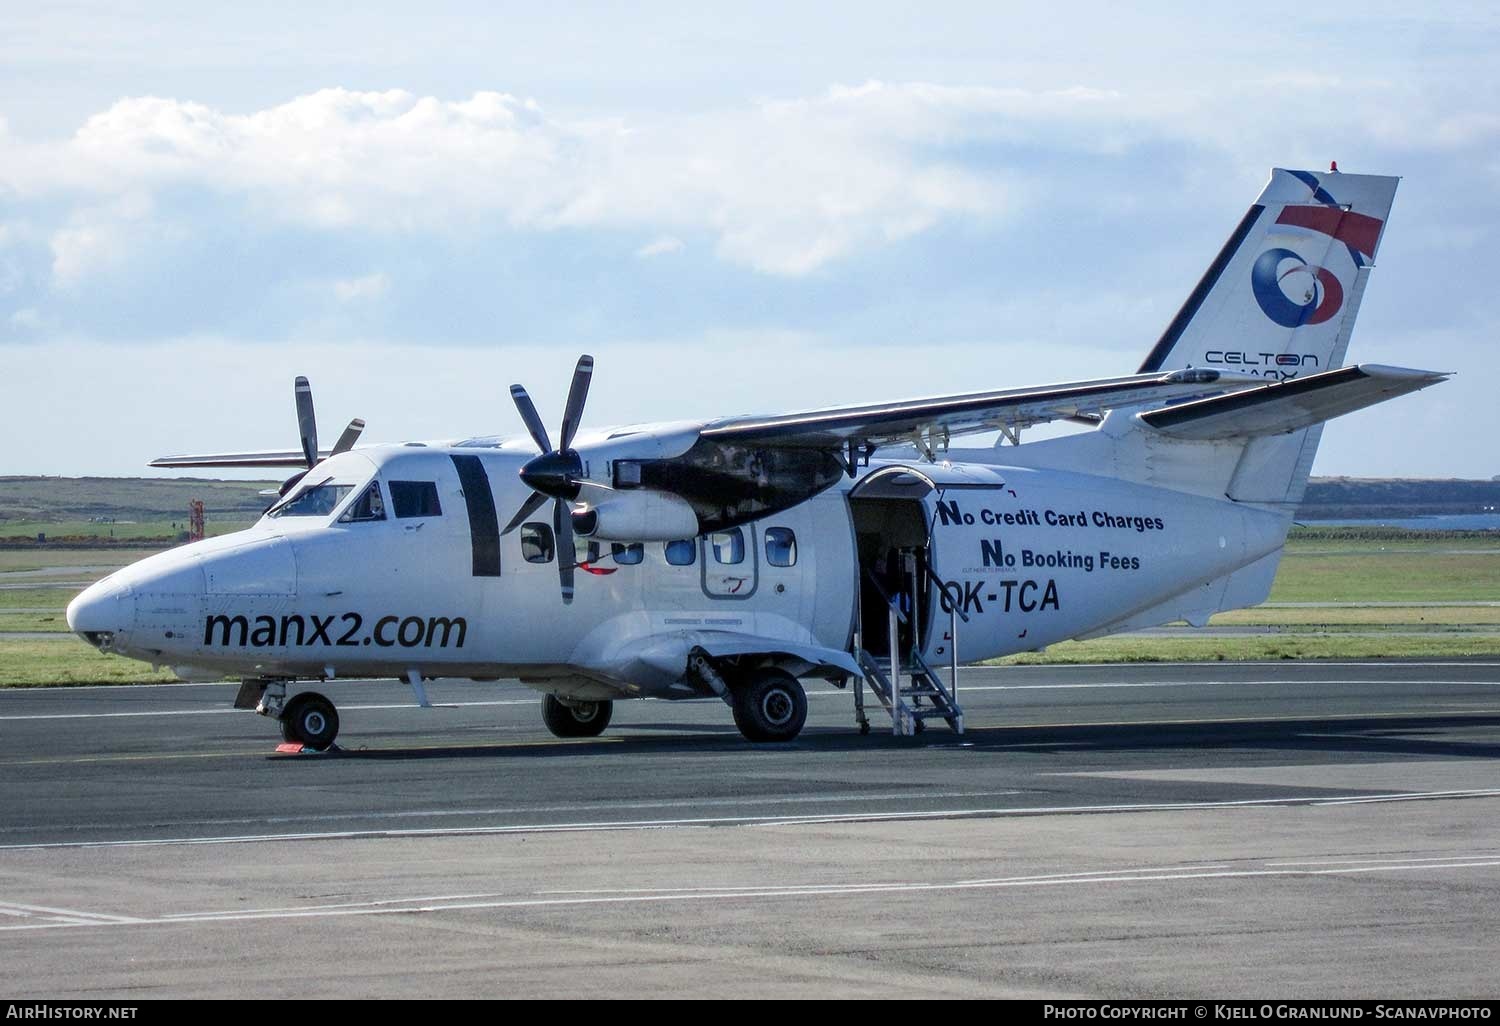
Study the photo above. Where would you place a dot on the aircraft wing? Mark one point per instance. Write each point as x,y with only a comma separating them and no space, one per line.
947,416
283,458
1289,405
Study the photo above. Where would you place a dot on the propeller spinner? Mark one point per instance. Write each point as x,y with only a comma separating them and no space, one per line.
555,473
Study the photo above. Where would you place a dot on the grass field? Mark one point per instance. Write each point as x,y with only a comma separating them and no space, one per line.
1392,575
137,499
1127,649
24,560
67,660
165,531
1462,572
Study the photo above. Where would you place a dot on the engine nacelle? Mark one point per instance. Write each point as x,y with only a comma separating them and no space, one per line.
637,516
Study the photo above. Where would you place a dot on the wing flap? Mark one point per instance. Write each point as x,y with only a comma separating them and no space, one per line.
1288,405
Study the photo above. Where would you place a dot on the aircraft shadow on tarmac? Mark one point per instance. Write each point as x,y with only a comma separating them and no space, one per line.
1382,735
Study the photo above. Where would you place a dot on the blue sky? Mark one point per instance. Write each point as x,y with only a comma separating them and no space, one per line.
733,211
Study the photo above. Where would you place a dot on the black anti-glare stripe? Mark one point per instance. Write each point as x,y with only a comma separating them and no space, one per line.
1254,397
484,526
1158,354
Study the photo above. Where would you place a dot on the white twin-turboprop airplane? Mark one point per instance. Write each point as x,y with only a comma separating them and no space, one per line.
734,558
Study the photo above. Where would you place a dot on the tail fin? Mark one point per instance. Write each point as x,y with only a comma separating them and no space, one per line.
1280,299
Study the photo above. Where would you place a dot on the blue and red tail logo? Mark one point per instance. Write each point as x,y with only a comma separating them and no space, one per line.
1293,292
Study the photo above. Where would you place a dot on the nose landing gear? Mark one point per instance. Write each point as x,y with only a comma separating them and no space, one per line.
310,720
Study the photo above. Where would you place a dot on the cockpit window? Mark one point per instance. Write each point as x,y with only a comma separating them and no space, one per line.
415,499
367,508
318,501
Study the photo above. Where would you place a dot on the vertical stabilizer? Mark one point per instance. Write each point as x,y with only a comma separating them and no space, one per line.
1279,302
1281,297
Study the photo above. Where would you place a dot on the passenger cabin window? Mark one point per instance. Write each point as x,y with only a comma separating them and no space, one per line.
537,544
683,552
367,508
729,546
415,499
585,551
318,501
781,546
628,555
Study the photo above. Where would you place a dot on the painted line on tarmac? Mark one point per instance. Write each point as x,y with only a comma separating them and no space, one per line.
1466,856
230,710
310,756
1024,668
757,821
1414,797
62,916
543,899
958,742
572,807
963,689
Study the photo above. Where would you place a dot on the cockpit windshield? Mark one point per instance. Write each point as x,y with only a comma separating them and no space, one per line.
318,500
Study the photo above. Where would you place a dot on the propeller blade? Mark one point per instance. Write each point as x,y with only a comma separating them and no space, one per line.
530,506
529,416
562,523
349,437
307,422
291,482
577,393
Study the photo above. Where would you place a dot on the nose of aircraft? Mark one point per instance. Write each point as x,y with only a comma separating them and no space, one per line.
102,611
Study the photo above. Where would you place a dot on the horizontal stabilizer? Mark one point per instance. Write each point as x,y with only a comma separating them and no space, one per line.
1288,405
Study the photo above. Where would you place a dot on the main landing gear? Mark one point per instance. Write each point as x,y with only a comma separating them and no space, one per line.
768,703
576,719
770,706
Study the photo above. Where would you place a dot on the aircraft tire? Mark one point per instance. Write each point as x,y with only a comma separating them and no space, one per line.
770,706
584,719
310,720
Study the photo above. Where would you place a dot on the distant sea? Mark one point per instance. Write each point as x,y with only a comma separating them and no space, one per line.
1447,522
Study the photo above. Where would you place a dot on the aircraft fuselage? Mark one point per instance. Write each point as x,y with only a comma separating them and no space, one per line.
1028,557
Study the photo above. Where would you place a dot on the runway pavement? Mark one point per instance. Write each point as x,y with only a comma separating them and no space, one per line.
1259,830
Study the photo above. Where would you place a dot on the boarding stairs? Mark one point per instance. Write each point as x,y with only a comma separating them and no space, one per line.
903,683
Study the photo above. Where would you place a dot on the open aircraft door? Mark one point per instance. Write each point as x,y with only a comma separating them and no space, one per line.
902,561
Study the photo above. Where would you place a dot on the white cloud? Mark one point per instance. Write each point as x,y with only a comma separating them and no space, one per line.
26,320
81,249
786,187
661,247
370,286
100,237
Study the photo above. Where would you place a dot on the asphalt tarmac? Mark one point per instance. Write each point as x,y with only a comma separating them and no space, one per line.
1208,830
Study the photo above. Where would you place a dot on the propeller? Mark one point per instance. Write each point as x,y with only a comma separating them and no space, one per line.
307,428
555,473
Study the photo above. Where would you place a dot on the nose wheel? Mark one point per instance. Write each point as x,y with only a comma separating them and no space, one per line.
310,720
